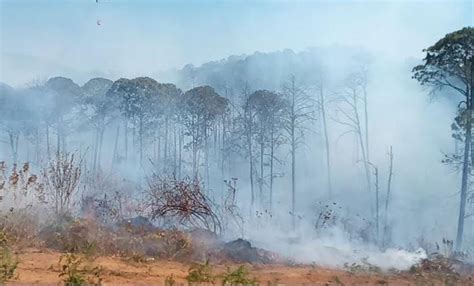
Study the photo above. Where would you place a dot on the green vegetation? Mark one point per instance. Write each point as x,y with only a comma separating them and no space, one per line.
200,273
238,277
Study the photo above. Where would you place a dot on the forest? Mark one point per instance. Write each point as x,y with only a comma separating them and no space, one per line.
328,157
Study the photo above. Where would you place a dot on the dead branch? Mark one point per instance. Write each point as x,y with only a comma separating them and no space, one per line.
183,200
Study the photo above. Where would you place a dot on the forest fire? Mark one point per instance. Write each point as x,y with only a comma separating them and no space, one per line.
236,143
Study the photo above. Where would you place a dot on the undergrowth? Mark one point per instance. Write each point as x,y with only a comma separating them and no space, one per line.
238,277
75,273
8,263
200,273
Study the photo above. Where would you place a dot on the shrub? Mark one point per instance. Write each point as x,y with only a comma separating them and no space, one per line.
200,273
74,273
61,178
239,276
8,264
70,272
70,235
20,226
182,200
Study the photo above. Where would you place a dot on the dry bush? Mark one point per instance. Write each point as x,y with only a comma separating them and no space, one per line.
107,208
68,234
182,200
21,226
109,198
91,238
21,196
18,187
355,226
170,244
231,217
61,179
326,216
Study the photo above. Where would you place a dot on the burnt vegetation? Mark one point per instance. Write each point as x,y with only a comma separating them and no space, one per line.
140,169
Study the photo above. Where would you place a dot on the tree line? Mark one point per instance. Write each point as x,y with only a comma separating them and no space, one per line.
211,131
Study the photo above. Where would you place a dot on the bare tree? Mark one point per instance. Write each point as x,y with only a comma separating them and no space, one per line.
321,105
387,197
61,179
377,200
299,110
348,114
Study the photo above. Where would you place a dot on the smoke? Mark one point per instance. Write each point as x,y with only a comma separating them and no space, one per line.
334,249
231,45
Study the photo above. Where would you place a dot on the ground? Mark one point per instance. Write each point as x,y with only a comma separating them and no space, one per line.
42,267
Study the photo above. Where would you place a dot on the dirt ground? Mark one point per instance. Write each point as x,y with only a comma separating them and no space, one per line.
42,267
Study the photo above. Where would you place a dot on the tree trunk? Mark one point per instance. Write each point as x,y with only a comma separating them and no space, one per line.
140,135
366,121
194,159
464,181
37,147
250,150
223,150
293,183
272,151
175,155
260,182
387,198
58,144
125,130
48,148
101,141
96,150
158,150
206,155
326,140
363,150
14,138
466,164
293,154
115,155
180,152
165,146
377,221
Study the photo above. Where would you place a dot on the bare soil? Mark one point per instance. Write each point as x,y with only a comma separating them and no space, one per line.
42,267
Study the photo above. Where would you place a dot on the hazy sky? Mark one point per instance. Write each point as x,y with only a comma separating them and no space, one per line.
41,38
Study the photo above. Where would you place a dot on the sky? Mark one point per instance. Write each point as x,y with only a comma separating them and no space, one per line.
43,38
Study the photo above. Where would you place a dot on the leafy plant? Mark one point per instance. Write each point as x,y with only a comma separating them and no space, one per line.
70,264
75,274
239,276
200,273
7,263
